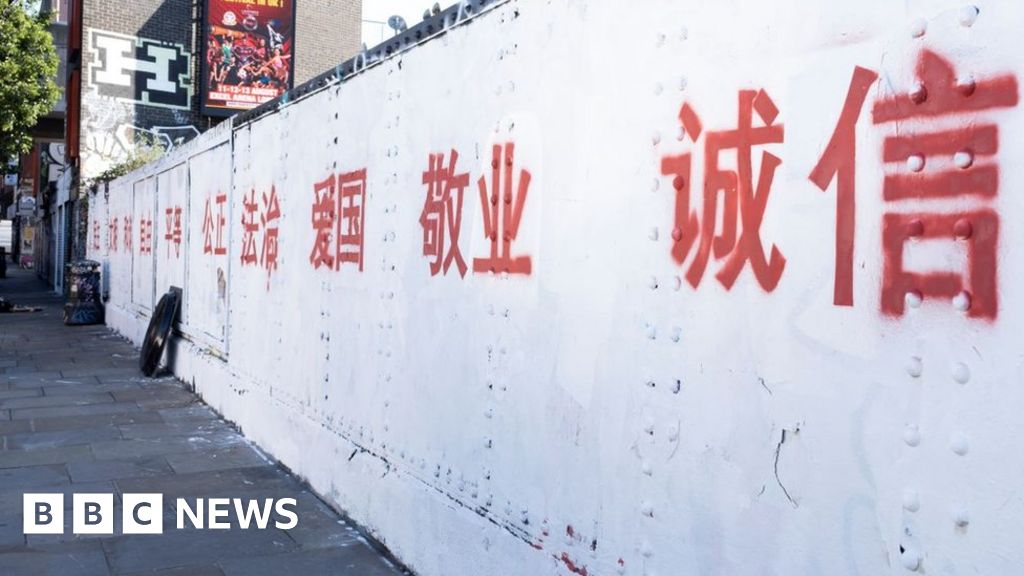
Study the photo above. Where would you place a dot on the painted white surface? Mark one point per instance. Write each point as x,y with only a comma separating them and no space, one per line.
170,226
140,226
205,305
470,422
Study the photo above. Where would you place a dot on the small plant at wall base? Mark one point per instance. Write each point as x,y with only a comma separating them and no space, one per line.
28,72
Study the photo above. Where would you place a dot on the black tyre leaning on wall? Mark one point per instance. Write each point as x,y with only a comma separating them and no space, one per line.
159,331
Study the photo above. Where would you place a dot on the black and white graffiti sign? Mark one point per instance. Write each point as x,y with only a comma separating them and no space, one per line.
140,70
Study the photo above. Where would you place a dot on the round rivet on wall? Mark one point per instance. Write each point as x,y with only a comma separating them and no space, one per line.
911,501
656,138
652,332
653,234
967,16
677,334
918,94
963,159
912,435
677,283
963,229
918,28
911,559
915,228
914,299
966,85
647,509
961,373
681,134
962,301
915,366
958,444
653,283
915,162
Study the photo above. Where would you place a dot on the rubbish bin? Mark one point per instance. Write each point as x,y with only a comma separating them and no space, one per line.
83,303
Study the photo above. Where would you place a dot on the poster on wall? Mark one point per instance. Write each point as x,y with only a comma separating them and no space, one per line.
249,54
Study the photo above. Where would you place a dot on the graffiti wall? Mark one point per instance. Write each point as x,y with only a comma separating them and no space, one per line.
137,93
581,288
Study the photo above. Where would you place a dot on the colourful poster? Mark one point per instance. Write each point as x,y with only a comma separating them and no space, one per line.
249,54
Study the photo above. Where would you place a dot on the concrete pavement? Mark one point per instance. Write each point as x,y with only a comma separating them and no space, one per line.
76,416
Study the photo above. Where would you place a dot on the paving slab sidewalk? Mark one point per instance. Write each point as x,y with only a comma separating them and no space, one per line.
76,416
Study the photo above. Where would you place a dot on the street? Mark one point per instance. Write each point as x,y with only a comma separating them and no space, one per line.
76,416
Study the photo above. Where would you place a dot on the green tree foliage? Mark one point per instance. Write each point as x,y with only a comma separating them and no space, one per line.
28,72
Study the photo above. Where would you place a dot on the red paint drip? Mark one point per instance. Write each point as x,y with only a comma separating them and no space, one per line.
572,567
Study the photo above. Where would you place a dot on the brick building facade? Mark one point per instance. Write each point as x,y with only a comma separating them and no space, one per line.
140,70
325,29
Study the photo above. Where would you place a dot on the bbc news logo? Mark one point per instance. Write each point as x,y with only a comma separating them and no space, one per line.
143,513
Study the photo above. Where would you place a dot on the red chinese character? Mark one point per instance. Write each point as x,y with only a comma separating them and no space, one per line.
249,229
839,162
112,235
208,229
351,212
978,229
441,217
972,175
128,234
145,236
743,202
213,227
503,213
325,206
269,217
173,231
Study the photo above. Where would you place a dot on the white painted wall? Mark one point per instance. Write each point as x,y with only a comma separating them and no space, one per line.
601,415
